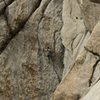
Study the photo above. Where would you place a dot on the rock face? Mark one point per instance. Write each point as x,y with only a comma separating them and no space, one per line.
49,49
94,93
31,62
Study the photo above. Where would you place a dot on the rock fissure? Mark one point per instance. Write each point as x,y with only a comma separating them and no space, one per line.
9,2
96,54
94,67
42,39
53,58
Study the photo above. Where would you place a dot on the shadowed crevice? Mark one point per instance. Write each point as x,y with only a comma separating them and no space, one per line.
95,1
12,34
94,67
6,5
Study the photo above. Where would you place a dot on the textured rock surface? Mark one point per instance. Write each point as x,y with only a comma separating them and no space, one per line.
19,12
94,93
4,31
93,44
81,59
31,65
49,49
73,31
4,4
91,13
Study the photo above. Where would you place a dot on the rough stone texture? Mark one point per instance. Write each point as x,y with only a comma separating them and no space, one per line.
73,31
94,93
93,44
4,31
73,86
19,12
3,4
91,13
81,59
49,49
31,65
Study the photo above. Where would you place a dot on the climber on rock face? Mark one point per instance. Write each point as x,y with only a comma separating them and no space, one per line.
95,1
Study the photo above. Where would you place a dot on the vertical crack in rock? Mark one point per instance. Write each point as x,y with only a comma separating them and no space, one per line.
53,60
50,51
94,67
